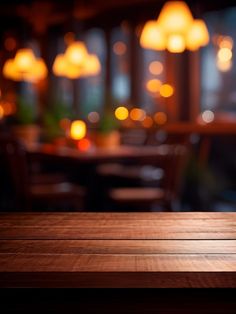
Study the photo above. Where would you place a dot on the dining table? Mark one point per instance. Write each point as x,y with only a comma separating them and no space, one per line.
118,250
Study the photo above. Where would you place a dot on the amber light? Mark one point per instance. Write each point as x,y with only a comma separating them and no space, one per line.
166,90
174,30
160,118
78,130
121,113
76,62
137,114
25,67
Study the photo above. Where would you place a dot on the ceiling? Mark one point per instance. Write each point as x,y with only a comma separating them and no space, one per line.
39,15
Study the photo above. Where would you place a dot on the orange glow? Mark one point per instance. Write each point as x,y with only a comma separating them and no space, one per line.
72,72
38,72
119,48
84,144
76,53
93,117
175,17
9,108
153,86
226,42
224,54
152,36
197,35
10,70
147,122
59,65
160,118
92,66
121,113
176,43
137,114
1,112
156,67
24,60
166,90
78,130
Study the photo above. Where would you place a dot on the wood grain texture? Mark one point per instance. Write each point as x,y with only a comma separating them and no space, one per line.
118,250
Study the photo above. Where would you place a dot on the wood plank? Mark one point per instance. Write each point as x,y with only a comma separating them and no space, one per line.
121,216
121,223
131,233
118,247
117,262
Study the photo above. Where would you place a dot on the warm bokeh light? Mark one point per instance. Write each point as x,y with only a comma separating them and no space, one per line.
208,116
224,66
174,30
9,108
84,145
78,130
24,60
175,17
226,42
137,114
153,86
1,112
93,117
59,65
197,35
119,48
166,90
224,54
92,66
147,122
175,43
152,36
155,67
121,113
10,70
76,53
160,118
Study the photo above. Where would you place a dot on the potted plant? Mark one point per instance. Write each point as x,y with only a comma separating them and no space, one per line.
25,126
107,133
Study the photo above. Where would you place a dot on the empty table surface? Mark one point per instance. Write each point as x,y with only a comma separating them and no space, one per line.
118,249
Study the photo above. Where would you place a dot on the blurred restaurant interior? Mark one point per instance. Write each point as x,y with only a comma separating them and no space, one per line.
119,105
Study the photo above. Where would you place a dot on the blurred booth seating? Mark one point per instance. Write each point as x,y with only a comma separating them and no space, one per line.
40,191
150,184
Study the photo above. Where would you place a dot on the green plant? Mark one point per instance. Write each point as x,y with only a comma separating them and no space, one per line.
26,113
52,117
108,122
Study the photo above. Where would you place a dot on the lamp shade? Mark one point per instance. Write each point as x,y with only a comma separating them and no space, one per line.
197,35
175,17
59,65
24,60
152,36
176,43
76,53
10,70
92,66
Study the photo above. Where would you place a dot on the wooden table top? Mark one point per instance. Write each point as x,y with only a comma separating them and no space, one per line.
118,249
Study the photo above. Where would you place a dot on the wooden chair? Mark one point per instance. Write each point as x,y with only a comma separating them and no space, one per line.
172,161
42,192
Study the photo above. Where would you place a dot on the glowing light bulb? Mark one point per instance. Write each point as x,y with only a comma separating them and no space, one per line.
78,130
121,113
